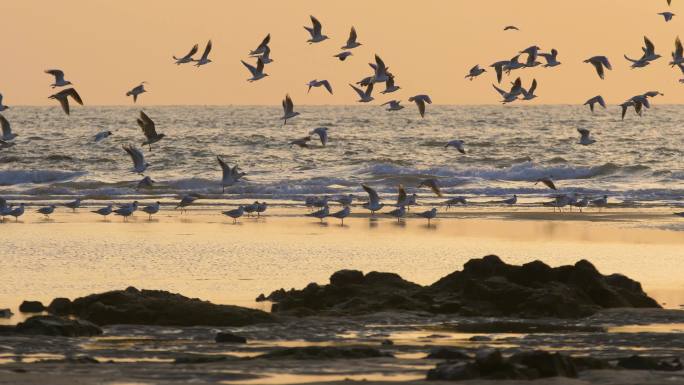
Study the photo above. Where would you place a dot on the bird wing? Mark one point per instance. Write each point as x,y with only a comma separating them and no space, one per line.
358,90
136,156
264,43
421,107
402,195
58,74
373,196
289,105
380,65
599,69
369,90
224,167
250,67
584,132
192,52
64,102
604,60
207,49
72,92
650,47
147,125
679,50
533,87
352,36
317,27
600,101
327,85
6,128
260,65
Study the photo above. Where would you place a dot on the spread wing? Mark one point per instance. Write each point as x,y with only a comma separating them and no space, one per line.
72,92
58,74
207,49
327,85
402,195
358,90
147,125
372,194
317,27
6,128
250,67
136,156
352,36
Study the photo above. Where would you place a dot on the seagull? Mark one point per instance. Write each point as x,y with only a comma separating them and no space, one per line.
585,138
429,215
403,199
432,184
261,208
343,55
510,201
511,28
529,94
235,213
514,64
499,67
648,56
667,15
678,54
381,75
125,212
73,205
420,101
475,72
351,41
454,201
17,212
322,133
301,142
345,200
137,90
547,182
394,105
266,56
320,214
188,57
7,133
145,182
100,136
551,58
61,96
627,104
398,213
59,78
288,109
374,203
230,175
262,47
149,129
133,205
139,165
47,210
315,31
104,211
186,201
249,209
457,144
205,56
512,95
582,203
364,95
601,202
532,52
341,214
390,86
319,83
596,99
599,62
151,210
257,72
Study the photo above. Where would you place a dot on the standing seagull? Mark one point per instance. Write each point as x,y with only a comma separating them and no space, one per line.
47,210
374,203
261,49
398,213
364,95
475,72
596,99
139,165
186,201
420,101
319,83
341,214
351,42
2,106
149,129
7,133
585,138
188,57
322,133
599,62
457,144
257,72
320,214
429,215
137,90
315,31
59,78
235,213
288,109
104,211
230,174
205,56
667,15
62,96
73,205
151,210
394,105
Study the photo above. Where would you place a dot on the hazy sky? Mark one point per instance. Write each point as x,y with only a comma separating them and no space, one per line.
107,47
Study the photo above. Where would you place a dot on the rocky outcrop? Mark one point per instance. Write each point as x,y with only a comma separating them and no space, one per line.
6,313
57,326
486,286
60,306
325,353
31,307
154,307
226,337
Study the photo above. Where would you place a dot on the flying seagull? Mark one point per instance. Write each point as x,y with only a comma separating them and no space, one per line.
262,47
137,90
59,78
547,182
648,56
475,72
389,85
599,62
100,136
62,96
529,94
188,57
498,68
511,28
394,105
343,55
364,95
288,109
678,53
149,130
381,75
667,15
315,31
457,144
322,133
351,41
7,133
266,56
512,95
596,99
319,83
420,101
585,138
231,175
257,72
2,106
139,165
551,58
432,184
205,56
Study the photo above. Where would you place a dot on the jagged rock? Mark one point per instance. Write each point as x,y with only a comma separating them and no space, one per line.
546,364
6,313
60,306
57,326
225,337
637,362
31,307
447,353
325,353
155,307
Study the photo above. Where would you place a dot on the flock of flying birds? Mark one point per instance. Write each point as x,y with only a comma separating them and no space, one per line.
380,75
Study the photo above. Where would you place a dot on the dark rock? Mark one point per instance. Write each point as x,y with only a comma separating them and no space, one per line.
546,364
224,337
261,298
154,307
522,326
480,339
325,353
489,360
590,363
387,343
60,306
57,326
346,277
71,360
447,353
201,359
6,313
450,371
637,362
31,307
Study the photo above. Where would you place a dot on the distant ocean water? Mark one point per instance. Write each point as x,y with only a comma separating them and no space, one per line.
509,147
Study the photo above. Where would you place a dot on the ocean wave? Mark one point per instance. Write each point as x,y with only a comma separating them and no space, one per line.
12,177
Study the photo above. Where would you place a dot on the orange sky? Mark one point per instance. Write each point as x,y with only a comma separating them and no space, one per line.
107,47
